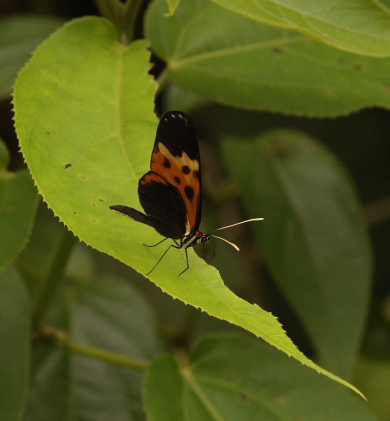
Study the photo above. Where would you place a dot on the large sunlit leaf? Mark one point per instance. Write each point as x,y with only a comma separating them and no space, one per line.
18,203
313,236
359,26
235,61
15,344
84,118
230,377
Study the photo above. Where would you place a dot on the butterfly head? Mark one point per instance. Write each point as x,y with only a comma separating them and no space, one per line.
195,238
204,238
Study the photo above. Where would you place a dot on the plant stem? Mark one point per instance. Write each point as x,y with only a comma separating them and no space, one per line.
129,16
122,15
109,9
62,339
53,279
107,356
162,81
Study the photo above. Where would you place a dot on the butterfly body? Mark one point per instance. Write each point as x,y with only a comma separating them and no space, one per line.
171,192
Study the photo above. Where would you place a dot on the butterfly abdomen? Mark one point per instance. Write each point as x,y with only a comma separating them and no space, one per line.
132,213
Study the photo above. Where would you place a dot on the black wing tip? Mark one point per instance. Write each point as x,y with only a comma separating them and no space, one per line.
178,134
175,114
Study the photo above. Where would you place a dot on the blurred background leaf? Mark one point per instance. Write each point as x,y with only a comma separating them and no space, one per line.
15,344
19,36
359,26
232,60
18,203
314,237
102,312
227,375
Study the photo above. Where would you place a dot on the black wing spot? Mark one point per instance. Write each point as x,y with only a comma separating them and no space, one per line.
189,192
167,163
177,179
185,169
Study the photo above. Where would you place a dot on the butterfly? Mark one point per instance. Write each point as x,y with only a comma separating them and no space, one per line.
171,192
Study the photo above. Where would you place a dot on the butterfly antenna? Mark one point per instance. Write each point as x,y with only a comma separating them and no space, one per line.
233,225
226,241
238,223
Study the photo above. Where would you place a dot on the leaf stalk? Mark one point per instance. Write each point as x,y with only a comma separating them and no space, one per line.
53,279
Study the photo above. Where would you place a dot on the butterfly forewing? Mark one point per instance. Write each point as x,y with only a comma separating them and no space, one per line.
176,159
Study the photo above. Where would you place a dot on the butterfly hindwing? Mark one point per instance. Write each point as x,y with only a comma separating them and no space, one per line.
163,205
176,159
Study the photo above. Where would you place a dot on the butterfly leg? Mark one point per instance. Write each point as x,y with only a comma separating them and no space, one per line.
154,245
188,262
159,260
176,246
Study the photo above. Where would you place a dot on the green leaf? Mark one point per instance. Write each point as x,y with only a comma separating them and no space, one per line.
36,260
4,157
18,203
373,375
313,236
105,313
84,118
177,99
96,99
159,404
231,377
358,26
50,395
245,64
110,314
19,36
14,344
